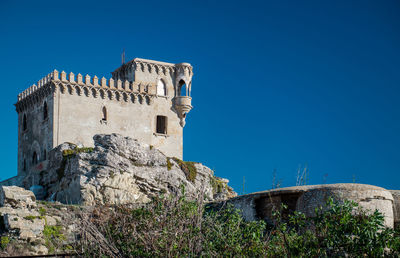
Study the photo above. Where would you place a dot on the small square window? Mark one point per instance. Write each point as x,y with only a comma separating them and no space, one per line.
161,127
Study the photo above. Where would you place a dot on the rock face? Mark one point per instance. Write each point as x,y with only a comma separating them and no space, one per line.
305,199
28,227
14,196
121,170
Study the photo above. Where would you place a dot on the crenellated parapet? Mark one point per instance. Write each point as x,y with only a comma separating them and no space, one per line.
150,66
87,86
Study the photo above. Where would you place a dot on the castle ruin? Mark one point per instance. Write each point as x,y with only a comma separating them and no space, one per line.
146,100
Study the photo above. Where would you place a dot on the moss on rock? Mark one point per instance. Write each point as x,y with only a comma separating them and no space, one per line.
217,184
188,167
76,150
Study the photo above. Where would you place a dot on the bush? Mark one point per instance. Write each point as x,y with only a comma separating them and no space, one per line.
4,242
53,237
339,229
171,227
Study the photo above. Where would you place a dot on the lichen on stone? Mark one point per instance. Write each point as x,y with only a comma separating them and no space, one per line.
169,164
76,150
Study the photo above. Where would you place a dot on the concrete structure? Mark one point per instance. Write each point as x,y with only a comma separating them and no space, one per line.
146,100
306,198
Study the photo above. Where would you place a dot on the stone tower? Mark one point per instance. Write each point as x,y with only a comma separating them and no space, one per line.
146,100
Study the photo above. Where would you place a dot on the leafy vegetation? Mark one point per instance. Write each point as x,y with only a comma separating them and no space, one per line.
42,211
4,241
53,237
217,184
30,217
176,227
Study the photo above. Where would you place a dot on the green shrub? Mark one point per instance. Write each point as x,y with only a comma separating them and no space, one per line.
4,242
217,184
335,230
176,227
53,237
42,211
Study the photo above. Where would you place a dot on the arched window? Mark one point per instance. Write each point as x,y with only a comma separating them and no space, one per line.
161,88
104,114
24,123
24,167
45,111
182,89
34,158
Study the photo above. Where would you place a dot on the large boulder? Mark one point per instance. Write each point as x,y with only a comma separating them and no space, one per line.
120,170
17,204
16,197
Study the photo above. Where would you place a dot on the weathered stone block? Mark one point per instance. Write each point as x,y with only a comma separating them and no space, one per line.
14,196
27,224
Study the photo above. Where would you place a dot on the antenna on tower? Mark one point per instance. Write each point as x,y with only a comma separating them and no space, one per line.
123,56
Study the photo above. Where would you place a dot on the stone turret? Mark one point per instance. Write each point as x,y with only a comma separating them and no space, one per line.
183,87
149,71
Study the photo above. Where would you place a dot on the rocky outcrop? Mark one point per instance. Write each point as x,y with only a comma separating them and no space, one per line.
31,228
305,199
121,170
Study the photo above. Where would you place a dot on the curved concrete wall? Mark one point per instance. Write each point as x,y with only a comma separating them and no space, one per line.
306,198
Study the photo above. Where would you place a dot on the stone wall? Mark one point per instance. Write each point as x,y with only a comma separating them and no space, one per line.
38,135
80,117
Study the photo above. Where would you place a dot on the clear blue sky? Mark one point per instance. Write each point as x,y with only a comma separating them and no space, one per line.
277,84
